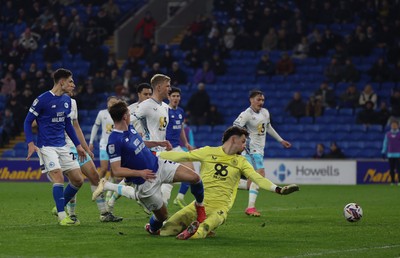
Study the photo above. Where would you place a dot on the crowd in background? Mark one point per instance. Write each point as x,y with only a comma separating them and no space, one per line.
298,29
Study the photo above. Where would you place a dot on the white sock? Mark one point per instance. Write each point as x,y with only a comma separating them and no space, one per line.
242,184
253,192
166,190
71,206
62,215
180,196
100,201
109,193
114,198
124,190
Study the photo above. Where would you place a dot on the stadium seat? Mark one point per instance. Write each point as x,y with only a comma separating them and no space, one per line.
8,154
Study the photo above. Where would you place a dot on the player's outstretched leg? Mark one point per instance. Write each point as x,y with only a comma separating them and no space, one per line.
288,189
190,231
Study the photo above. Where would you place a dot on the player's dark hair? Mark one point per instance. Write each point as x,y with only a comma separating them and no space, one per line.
173,90
234,130
118,110
254,93
61,73
143,86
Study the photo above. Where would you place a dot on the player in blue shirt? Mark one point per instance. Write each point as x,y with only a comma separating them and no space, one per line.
51,110
176,135
130,157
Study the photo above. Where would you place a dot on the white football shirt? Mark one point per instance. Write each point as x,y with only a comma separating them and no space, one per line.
104,120
154,120
135,122
73,115
257,124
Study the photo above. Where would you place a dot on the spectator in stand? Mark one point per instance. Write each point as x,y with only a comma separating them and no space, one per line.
155,69
27,96
326,94
333,71
88,99
75,45
18,111
8,127
391,150
153,56
167,59
29,40
112,10
319,151
368,94
363,47
218,65
395,104
329,39
15,54
146,28
380,71
214,117
265,66
367,115
229,38
270,40
302,49
128,82
111,64
113,80
188,42
314,107
51,52
285,65
296,107
198,106
383,115
349,98
21,81
336,152
204,75
193,58
318,48
133,65
99,81
177,75
143,78
8,84
349,72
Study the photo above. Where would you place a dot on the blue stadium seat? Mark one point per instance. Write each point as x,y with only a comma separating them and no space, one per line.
375,128
21,146
8,154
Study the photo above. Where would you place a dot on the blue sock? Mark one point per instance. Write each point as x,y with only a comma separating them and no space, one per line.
69,192
58,196
198,191
184,188
155,224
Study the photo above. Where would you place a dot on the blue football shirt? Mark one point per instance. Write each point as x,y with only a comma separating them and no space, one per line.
51,112
174,128
129,148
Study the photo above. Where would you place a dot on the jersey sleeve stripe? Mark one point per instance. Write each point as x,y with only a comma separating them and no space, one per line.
33,112
115,159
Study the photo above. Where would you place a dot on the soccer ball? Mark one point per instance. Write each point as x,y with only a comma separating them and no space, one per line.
352,212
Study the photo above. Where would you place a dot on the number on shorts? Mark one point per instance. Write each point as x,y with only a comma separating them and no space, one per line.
73,155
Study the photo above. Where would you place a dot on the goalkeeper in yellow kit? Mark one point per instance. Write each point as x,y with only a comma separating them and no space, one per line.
221,168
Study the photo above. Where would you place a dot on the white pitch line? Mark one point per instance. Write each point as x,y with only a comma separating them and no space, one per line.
344,251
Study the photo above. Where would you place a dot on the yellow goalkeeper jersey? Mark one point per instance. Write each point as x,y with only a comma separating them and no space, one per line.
220,173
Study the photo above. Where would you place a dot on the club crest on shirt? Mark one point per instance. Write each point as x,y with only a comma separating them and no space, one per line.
66,105
51,164
234,162
133,131
111,148
180,116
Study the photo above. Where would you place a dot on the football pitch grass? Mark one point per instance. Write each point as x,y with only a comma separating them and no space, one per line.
308,223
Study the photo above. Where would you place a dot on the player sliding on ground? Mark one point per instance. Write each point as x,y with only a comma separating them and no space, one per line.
131,158
221,168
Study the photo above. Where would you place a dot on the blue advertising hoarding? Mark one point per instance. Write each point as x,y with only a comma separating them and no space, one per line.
373,172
